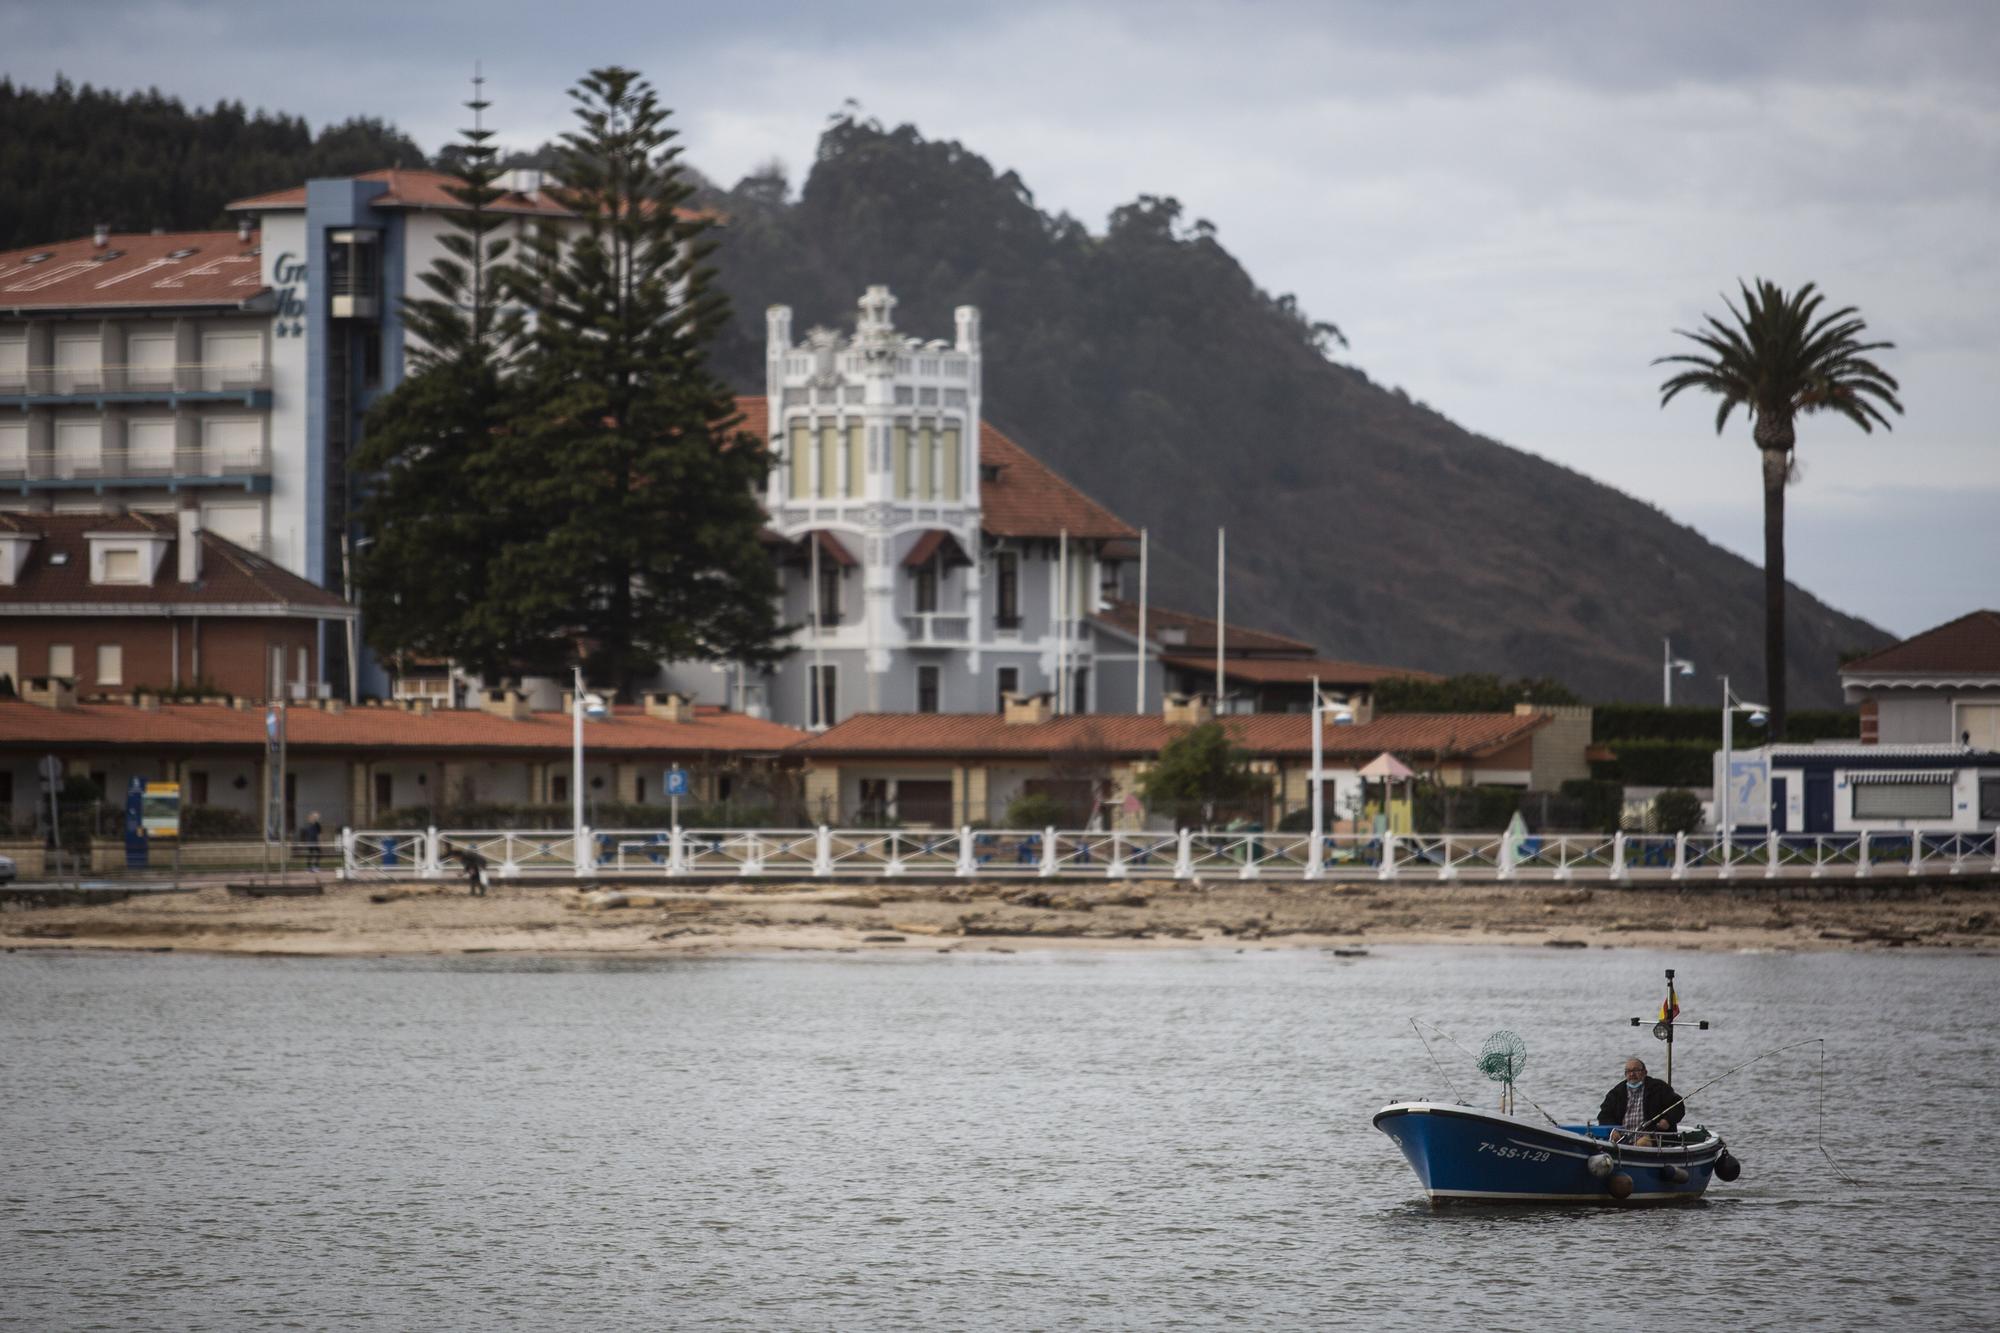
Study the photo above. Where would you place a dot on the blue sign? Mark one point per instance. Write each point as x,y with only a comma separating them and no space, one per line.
135,827
677,782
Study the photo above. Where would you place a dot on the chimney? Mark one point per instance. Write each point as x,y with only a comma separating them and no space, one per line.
1188,710
510,704
968,328
57,692
246,227
189,545
100,235
777,328
1028,709
670,706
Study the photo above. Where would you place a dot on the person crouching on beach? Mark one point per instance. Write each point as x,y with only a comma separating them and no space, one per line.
475,870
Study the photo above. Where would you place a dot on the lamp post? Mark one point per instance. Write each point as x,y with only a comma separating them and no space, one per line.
581,705
1731,706
1342,715
1669,666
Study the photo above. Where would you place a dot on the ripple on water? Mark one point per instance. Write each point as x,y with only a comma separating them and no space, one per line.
1103,1140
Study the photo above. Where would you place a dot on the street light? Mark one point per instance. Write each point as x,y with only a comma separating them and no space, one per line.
1731,706
1668,669
581,706
1342,716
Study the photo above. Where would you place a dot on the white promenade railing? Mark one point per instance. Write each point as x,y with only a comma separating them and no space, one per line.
830,853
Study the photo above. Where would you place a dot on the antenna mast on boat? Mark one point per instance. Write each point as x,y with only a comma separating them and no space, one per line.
1670,1010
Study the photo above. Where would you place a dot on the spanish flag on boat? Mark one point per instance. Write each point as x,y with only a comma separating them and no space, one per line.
1670,1008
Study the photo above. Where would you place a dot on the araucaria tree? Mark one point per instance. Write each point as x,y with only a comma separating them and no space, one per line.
561,479
431,528
1780,358
628,461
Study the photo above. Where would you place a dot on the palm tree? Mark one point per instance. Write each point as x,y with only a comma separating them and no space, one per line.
1781,358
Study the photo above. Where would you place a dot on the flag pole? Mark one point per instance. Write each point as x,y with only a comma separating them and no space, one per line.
1140,691
1221,603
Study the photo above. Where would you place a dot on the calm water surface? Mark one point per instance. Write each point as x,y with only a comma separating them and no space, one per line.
1036,1140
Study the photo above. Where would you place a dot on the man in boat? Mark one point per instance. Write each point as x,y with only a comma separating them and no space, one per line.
1640,1103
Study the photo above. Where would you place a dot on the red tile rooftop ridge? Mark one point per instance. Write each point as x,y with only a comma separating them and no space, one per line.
1969,645
186,268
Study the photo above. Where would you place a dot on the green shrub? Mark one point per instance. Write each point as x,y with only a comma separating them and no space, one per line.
1598,805
1650,763
1676,810
215,823
1036,810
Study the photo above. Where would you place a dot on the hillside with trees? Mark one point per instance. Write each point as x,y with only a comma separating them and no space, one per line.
73,157
1142,361
1146,365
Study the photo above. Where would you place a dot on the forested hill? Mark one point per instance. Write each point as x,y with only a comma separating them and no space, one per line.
72,157
1142,362
1147,366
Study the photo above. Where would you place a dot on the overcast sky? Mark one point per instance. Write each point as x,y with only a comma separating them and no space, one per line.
1507,208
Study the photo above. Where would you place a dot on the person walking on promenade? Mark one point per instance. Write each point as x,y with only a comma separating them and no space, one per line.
309,834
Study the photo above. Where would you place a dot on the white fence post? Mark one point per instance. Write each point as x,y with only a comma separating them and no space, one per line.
1916,852
1680,855
1048,852
1388,867
347,866
1316,855
1771,854
1184,859
1114,865
823,853
1618,855
433,861
968,864
586,857
677,859
1504,864
1861,857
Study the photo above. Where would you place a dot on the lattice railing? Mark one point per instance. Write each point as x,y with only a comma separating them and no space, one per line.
826,853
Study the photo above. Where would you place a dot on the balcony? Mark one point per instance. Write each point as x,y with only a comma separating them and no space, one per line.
937,629
193,382
215,467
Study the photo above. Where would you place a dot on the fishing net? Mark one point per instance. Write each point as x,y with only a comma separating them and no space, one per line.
1503,1057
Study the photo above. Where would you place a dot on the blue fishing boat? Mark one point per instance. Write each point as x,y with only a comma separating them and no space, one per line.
1461,1152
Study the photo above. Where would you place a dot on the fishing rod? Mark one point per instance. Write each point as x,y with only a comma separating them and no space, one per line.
1447,1078
1777,1050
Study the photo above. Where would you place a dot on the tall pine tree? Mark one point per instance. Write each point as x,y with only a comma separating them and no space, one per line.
433,517
629,463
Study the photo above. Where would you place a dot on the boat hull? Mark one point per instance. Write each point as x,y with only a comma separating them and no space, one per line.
1460,1153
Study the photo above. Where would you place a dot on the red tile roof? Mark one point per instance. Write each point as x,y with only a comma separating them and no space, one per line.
1968,645
1030,499
1197,632
184,268
56,573
1295,670
1026,499
1265,735
378,730
411,187
931,543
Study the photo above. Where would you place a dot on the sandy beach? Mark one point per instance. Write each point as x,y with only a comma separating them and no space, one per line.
431,918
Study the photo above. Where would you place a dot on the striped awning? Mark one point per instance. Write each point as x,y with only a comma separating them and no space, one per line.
1942,777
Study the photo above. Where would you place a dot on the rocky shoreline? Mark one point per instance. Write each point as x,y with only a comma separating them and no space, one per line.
353,919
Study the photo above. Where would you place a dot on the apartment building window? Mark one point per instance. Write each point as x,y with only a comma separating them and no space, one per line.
824,686
927,586
62,660
559,787
110,664
1989,799
829,592
1007,590
927,689
121,567
1902,800
1010,683
1081,680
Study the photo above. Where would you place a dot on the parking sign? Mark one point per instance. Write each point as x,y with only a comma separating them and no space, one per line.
677,782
